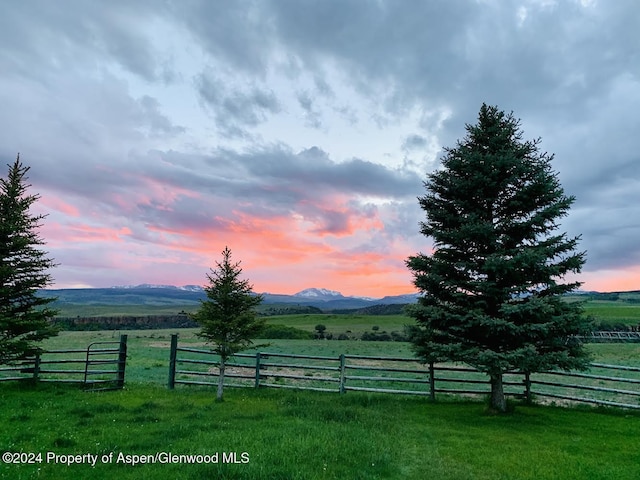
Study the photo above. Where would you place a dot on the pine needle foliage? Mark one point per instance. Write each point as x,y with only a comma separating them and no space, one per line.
24,313
492,287
228,318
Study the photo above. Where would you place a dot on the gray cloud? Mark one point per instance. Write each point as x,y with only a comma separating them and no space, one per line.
82,99
237,33
40,35
158,123
314,167
414,142
235,109
77,146
312,116
206,192
272,182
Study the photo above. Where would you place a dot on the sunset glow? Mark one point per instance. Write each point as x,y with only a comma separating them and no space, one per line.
157,136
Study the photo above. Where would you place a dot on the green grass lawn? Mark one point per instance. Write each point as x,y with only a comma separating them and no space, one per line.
310,435
306,435
343,323
616,353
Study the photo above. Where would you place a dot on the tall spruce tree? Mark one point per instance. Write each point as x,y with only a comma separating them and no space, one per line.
227,318
24,315
492,287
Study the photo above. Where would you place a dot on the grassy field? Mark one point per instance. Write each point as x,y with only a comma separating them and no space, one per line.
344,323
613,309
122,310
608,309
305,435
148,350
613,312
309,435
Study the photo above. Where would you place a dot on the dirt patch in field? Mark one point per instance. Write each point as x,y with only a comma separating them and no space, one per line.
168,344
233,370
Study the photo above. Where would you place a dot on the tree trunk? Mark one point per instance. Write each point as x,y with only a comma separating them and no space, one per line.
221,380
498,402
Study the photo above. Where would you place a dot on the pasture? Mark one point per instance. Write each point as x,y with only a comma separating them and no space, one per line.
613,313
607,310
288,434
309,435
611,309
344,323
148,350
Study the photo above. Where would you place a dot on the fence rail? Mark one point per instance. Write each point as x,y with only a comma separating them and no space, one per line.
611,337
101,366
603,385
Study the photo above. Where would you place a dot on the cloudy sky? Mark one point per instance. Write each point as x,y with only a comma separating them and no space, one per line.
299,132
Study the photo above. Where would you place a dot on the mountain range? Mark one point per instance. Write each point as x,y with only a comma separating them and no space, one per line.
170,297
149,294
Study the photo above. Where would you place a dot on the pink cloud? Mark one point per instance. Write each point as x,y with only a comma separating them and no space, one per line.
52,202
279,255
57,233
336,215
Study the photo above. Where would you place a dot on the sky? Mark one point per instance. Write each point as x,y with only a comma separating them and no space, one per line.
299,133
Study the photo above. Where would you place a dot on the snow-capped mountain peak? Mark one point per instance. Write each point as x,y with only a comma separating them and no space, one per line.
191,288
319,293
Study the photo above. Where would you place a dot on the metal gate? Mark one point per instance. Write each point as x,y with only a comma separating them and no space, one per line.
105,365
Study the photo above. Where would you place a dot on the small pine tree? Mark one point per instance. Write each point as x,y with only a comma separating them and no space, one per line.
492,288
24,315
228,318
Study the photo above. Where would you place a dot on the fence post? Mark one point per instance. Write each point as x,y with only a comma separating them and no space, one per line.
527,387
172,361
122,360
257,384
432,382
36,367
342,369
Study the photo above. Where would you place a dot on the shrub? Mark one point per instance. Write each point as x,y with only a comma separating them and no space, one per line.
320,328
284,332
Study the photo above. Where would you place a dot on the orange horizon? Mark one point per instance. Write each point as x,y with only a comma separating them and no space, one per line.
282,253
351,290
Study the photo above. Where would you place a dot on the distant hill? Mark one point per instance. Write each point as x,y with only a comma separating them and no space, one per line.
143,295
631,297
382,309
156,297
167,299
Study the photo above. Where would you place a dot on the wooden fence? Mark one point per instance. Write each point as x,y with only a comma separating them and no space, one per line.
101,366
613,385
602,385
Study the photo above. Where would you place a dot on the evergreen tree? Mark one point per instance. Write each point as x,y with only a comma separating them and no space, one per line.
24,315
228,318
492,287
